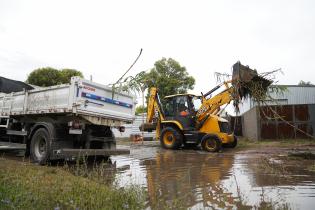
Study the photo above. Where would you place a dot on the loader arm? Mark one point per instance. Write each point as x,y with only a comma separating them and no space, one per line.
154,105
211,105
236,89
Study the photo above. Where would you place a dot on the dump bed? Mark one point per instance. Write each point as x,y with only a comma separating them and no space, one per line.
92,101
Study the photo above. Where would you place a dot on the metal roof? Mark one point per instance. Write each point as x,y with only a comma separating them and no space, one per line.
292,86
294,94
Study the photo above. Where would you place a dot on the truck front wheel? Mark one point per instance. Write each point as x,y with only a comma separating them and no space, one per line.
39,148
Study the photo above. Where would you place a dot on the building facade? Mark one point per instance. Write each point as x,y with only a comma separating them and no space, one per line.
293,94
291,114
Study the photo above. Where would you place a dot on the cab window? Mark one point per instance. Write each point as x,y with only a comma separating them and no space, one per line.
182,107
169,107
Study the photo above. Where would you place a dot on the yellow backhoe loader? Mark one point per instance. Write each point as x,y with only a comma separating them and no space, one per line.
180,122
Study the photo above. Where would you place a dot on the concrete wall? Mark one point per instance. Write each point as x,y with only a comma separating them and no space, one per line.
250,124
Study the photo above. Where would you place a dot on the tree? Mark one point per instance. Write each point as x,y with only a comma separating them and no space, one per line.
66,74
44,77
169,77
141,109
48,76
305,83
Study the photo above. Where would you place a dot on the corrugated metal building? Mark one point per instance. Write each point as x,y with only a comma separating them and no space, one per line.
296,106
294,94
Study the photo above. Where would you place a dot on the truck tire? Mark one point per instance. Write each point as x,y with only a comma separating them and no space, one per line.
171,138
231,145
40,146
211,143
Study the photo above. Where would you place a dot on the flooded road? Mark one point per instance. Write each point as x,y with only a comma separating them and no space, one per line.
228,180
257,178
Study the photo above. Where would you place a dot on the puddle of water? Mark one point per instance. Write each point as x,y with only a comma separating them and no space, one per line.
200,180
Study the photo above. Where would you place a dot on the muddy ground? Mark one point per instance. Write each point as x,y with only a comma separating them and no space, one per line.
264,177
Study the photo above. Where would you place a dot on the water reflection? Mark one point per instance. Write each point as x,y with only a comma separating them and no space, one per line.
199,180
189,178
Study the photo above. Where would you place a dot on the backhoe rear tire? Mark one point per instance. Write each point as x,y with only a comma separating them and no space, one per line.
211,143
171,138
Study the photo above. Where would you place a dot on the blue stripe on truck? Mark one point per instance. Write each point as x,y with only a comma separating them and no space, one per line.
107,100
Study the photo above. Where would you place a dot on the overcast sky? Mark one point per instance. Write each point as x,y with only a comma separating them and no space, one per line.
102,38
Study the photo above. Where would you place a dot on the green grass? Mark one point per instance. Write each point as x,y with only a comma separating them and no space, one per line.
244,143
27,186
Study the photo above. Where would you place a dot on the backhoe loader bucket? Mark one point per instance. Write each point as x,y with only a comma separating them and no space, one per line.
149,127
244,80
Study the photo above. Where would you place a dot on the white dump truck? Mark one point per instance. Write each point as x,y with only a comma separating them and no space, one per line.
63,121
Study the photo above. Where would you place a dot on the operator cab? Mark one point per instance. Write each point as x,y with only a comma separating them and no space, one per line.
181,108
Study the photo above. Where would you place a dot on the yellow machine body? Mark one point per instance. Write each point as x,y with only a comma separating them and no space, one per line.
178,122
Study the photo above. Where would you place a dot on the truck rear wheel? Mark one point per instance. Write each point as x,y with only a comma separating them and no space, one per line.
171,138
211,143
40,146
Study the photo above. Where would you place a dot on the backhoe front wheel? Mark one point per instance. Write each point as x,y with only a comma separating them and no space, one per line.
171,138
211,143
